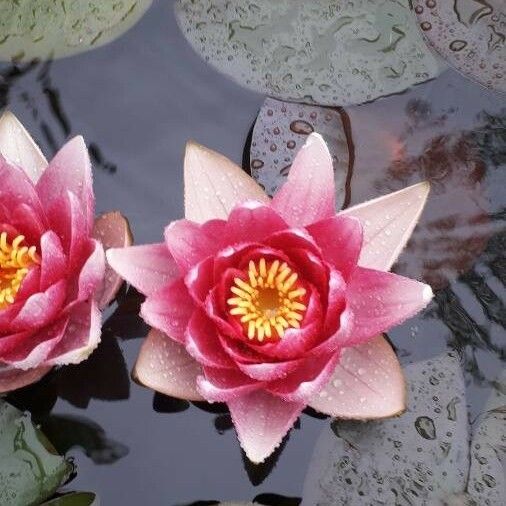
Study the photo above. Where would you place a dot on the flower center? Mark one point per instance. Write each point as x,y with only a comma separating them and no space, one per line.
15,262
269,301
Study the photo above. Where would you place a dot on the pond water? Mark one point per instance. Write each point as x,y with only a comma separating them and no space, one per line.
136,101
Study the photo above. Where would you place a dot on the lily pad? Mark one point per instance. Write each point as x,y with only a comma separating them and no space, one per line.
328,52
469,34
30,469
74,499
282,128
46,28
419,458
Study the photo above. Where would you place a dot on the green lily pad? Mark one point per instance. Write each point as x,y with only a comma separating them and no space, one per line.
75,499
328,52
30,469
49,28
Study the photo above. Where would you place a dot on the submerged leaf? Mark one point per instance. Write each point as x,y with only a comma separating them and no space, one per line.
75,499
418,458
282,128
30,469
44,28
329,52
468,34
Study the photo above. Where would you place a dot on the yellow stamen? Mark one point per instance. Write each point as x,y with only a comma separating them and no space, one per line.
15,262
268,300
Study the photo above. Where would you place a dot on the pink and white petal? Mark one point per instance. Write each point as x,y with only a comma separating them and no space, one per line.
12,378
81,337
190,243
295,238
340,239
40,308
303,384
200,280
18,147
53,264
148,268
213,185
70,170
269,371
252,222
380,300
224,385
31,222
203,343
91,277
388,222
166,367
113,231
368,383
336,303
308,195
169,310
261,421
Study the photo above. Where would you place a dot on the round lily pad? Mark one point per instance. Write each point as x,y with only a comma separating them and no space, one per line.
329,52
48,29
469,34
281,129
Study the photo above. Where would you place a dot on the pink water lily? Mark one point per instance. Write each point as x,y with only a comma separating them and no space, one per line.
272,306
53,275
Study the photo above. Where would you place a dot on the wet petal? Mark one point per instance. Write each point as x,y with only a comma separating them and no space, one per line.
165,366
12,379
148,268
223,385
214,185
261,421
367,383
53,260
113,231
92,274
387,223
18,147
380,300
169,310
308,195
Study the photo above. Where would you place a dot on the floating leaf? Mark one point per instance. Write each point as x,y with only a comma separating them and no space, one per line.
468,34
329,52
282,128
75,499
418,458
44,28
30,469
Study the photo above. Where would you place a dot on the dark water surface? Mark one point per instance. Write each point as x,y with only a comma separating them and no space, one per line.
137,101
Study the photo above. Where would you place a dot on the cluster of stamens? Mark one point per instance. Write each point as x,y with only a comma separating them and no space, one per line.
269,301
15,262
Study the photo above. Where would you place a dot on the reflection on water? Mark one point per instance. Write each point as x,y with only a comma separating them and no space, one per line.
137,102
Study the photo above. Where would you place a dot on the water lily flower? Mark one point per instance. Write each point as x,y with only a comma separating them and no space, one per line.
274,305
53,275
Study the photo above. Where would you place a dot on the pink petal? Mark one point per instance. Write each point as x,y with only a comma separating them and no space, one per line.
379,300
148,268
31,221
200,280
190,243
303,384
18,147
53,260
388,222
252,222
69,170
223,385
40,308
367,383
165,366
30,285
261,421
340,239
113,231
12,379
203,343
293,239
336,303
81,337
169,310
214,185
92,274
269,371
308,195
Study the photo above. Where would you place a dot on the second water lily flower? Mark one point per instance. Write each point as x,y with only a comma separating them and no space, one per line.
274,305
53,275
